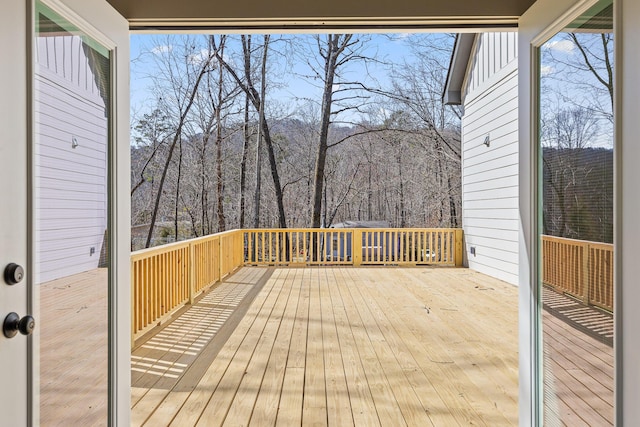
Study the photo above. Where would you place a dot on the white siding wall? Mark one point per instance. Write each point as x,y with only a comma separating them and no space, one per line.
493,52
490,174
70,182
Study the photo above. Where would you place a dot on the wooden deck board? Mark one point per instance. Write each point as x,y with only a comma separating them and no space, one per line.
339,411
333,346
241,409
265,410
162,360
352,358
190,412
578,375
488,361
314,407
291,398
73,350
394,397
360,397
433,341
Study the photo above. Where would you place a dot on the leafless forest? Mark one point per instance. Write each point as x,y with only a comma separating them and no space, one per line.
218,148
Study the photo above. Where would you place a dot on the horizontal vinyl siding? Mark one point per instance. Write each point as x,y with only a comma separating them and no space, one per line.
71,183
490,174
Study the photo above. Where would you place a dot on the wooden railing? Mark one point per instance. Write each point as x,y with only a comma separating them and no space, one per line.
579,268
353,246
167,277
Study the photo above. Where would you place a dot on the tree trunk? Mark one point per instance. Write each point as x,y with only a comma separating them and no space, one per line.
256,197
333,50
220,187
452,204
176,138
403,217
204,202
243,163
175,216
258,102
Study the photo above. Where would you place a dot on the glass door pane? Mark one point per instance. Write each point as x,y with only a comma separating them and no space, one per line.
71,157
576,220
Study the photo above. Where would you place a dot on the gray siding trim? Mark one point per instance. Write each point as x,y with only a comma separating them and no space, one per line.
458,66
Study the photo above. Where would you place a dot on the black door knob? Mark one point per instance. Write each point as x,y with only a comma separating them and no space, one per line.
26,325
14,324
13,274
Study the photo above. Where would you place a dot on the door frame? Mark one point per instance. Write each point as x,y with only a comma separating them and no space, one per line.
541,22
99,20
14,116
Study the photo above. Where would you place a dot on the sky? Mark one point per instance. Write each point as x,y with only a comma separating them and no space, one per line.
390,48
567,83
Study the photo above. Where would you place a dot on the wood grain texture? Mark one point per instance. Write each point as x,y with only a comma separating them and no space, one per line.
323,346
362,346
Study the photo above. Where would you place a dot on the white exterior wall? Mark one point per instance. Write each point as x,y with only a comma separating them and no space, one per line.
490,174
492,53
70,182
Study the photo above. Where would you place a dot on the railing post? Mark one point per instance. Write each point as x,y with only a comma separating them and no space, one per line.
356,247
192,273
220,259
586,268
133,304
459,248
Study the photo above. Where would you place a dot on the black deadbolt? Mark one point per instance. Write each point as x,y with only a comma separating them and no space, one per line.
13,274
14,324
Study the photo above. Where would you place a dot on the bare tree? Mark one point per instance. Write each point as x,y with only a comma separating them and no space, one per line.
184,75
582,69
336,51
243,164
577,135
218,102
257,100
417,87
401,163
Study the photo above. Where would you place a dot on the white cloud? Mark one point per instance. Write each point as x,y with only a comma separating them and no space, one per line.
545,70
160,49
198,58
335,88
565,46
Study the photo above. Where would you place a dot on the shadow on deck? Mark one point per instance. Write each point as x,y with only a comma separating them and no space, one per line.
341,346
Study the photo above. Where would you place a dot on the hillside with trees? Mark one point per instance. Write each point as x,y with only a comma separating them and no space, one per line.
577,136
218,148
578,193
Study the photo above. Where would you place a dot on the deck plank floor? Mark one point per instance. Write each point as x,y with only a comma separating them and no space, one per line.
347,346
327,346
72,328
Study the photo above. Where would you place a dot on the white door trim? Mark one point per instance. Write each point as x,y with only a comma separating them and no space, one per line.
100,21
14,139
543,20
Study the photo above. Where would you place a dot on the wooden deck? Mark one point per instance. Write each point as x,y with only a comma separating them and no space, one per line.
73,350
578,360
339,346
325,346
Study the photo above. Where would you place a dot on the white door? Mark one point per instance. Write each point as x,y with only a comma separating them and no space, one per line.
64,347
566,65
